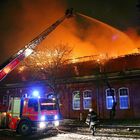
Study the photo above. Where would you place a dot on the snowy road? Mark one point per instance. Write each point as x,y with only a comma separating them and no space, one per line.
63,136
72,136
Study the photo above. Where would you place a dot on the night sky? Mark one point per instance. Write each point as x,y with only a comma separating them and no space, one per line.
118,13
22,20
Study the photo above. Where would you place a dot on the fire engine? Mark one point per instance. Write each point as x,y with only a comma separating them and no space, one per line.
28,114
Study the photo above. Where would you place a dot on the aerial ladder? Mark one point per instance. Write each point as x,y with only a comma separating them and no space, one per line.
28,49
32,113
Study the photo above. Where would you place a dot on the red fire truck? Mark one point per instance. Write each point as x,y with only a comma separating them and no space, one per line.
34,113
31,113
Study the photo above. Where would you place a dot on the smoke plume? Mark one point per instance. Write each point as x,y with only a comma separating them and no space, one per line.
23,20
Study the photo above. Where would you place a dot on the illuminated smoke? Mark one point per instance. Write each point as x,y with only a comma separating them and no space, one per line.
22,20
106,39
134,34
86,36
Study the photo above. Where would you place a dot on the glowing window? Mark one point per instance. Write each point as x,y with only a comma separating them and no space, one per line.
76,100
109,98
124,99
87,99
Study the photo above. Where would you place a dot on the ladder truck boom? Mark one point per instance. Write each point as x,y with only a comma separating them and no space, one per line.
11,63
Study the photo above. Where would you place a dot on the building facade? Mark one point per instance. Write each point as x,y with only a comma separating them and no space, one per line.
91,87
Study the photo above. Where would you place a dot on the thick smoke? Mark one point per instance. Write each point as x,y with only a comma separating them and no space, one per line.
104,38
22,20
134,34
25,19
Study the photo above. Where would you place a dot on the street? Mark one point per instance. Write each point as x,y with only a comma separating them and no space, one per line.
6,135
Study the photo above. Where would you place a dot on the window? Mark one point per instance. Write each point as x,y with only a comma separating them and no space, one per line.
50,95
124,100
33,103
109,98
5,100
87,99
76,100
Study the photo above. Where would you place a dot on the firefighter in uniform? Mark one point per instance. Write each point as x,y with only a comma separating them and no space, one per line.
92,120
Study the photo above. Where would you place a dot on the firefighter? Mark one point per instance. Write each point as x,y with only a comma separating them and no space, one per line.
92,120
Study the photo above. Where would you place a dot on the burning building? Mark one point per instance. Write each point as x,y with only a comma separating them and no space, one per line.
88,81
86,84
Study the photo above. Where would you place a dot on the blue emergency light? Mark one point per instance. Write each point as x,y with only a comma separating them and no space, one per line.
36,93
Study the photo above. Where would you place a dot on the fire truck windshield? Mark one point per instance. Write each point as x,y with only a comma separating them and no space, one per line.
48,104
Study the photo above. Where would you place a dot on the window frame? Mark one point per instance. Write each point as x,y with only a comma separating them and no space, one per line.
124,96
109,97
84,98
77,99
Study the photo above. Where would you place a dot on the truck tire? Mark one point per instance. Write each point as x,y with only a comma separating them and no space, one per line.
24,128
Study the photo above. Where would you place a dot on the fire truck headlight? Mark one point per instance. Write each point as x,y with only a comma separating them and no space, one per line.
42,118
42,125
55,117
56,123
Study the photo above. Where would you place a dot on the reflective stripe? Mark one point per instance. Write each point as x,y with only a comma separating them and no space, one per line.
30,114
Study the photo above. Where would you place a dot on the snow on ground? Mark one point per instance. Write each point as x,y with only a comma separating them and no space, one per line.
73,136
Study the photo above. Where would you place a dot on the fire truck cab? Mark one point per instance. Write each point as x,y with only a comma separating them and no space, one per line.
28,114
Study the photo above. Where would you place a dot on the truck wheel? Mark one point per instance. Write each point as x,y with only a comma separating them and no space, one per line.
24,128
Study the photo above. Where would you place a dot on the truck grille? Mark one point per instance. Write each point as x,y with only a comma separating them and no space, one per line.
50,117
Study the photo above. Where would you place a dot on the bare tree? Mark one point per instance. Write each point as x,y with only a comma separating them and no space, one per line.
47,64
